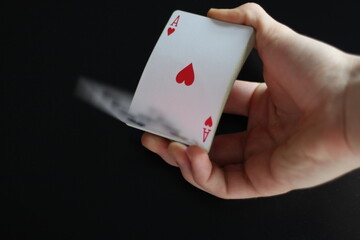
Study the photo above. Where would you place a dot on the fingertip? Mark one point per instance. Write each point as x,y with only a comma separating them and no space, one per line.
144,139
151,141
158,145
218,14
211,11
200,164
177,151
194,151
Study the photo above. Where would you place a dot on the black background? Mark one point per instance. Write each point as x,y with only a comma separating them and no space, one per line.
69,171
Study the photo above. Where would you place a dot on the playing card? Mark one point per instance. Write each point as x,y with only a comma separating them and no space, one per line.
189,75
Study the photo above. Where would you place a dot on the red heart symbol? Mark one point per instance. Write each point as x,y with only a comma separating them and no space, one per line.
170,31
186,75
209,122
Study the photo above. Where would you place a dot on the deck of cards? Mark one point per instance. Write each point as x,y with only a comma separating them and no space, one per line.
186,81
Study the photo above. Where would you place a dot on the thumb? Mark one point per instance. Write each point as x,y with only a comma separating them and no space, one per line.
250,14
253,15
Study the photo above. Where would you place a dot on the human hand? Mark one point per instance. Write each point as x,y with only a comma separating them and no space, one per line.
296,135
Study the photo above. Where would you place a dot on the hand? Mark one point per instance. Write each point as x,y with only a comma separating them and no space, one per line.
296,135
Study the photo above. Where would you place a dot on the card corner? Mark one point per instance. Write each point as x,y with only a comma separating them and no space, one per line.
177,11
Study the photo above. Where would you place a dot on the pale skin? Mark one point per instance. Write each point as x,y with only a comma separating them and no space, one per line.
303,121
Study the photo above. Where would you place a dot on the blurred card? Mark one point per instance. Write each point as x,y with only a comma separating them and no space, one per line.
116,102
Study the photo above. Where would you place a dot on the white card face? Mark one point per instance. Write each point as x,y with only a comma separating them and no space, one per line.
188,77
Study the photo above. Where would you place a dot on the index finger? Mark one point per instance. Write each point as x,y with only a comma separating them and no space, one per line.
239,98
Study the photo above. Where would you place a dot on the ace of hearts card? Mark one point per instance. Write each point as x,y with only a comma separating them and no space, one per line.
188,77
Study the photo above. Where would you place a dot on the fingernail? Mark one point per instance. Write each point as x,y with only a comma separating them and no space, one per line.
212,9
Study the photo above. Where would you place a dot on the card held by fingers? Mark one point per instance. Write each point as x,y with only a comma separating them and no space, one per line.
188,77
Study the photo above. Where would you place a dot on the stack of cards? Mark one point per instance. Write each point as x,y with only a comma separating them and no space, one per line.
187,79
